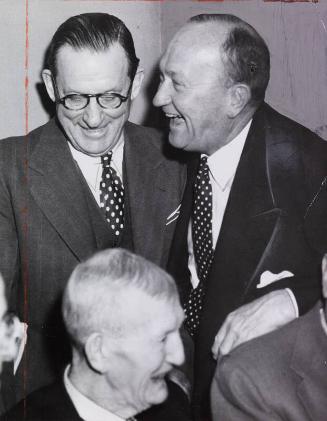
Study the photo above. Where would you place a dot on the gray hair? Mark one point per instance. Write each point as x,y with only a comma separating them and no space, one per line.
93,295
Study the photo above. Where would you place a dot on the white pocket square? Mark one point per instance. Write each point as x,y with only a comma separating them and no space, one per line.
268,277
174,215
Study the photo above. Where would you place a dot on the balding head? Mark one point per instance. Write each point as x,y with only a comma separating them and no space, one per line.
244,52
214,74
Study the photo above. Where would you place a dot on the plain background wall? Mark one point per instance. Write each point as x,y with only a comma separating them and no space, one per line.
295,32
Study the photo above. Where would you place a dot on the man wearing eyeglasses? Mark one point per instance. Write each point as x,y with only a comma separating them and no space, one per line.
85,181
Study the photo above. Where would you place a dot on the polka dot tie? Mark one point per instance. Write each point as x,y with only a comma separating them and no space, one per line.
112,196
202,243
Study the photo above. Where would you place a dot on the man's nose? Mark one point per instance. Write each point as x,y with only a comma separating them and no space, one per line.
162,97
93,114
175,351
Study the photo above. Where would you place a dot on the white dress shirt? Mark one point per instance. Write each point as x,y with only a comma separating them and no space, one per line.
222,168
87,409
91,166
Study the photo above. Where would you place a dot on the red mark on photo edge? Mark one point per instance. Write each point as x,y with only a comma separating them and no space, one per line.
25,209
265,1
291,1
26,66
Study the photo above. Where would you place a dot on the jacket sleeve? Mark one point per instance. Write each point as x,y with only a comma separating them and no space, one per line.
9,254
236,396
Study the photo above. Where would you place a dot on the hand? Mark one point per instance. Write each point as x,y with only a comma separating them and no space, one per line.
261,316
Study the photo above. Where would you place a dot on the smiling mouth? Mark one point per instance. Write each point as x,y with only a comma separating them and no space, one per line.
175,120
160,378
173,116
95,132
162,374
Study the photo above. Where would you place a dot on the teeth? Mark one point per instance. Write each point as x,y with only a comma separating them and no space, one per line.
173,115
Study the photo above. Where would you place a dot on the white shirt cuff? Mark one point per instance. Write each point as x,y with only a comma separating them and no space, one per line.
293,299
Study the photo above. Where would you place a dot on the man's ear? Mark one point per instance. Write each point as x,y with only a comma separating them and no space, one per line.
240,95
48,81
95,352
137,82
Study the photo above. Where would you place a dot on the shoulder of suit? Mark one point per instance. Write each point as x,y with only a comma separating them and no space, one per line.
273,349
47,403
263,350
291,130
155,141
140,133
17,143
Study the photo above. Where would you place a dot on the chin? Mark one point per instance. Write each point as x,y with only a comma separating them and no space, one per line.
158,392
177,142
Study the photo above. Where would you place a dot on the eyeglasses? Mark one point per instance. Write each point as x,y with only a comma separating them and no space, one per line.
77,102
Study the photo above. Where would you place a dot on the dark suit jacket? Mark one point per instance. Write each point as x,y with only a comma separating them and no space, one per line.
280,376
52,403
49,221
280,171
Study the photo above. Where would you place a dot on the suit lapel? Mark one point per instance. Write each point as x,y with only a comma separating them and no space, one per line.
149,199
262,194
56,186
178,257
250,217
249,224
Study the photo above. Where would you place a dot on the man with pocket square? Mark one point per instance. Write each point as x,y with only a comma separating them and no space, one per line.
240,254
85,181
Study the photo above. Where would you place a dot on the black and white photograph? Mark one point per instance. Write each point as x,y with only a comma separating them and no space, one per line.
163,210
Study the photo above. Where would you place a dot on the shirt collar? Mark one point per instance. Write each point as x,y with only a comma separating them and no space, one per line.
87,409
223,163
84,160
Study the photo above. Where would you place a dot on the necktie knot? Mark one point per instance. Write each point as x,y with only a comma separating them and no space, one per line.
203,170
106,159
203,160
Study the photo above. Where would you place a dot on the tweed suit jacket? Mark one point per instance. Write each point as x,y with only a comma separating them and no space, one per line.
280,376
49,222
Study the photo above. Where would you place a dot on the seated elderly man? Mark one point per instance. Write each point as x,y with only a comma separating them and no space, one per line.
123,316
280,376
